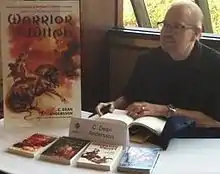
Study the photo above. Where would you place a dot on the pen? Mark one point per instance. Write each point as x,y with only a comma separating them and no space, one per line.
104,110
93,114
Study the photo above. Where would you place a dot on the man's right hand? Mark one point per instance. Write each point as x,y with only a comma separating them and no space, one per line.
103,108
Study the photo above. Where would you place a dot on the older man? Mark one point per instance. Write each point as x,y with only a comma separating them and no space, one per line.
181,77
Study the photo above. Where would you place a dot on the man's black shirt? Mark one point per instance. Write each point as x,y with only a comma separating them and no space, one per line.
193,83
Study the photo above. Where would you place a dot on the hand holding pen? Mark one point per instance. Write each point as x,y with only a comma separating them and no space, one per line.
103,108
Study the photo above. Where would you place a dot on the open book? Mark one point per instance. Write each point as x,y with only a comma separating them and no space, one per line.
140,128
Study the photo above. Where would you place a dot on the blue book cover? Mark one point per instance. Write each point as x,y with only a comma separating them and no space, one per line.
139,159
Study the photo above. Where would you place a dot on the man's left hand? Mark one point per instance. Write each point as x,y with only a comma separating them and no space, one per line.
140,109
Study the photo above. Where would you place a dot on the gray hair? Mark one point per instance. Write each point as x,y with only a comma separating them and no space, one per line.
193,9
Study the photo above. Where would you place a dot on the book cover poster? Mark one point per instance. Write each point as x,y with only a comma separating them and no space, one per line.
41,62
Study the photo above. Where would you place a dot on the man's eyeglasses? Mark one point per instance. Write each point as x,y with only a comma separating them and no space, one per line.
175,27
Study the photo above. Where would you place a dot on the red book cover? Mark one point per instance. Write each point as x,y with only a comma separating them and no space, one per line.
32,145
65,150
41,62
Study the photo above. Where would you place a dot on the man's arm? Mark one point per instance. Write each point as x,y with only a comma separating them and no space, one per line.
120,103
140,109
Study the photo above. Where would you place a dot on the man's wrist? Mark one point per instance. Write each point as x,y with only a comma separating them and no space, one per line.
163,110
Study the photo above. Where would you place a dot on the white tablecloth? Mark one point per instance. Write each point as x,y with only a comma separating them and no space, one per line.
190,156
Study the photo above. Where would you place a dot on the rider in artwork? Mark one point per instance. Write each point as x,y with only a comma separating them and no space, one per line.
91,155
22,69
19,69
20,72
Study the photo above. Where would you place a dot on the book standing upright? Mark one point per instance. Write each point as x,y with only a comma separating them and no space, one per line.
41,62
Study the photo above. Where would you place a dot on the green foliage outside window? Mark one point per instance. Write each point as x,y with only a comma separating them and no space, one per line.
157,9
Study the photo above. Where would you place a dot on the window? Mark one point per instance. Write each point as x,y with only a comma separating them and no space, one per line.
156,15
129,19
156,9
214,8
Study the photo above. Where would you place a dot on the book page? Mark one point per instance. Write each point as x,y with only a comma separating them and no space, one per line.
154,124
119,111
120,117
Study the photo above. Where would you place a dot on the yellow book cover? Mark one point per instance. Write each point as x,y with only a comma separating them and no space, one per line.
41,62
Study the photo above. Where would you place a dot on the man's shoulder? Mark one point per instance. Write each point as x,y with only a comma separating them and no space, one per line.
210,56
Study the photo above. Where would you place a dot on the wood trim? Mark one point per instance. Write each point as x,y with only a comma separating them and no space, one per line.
140,39
119,13
94,26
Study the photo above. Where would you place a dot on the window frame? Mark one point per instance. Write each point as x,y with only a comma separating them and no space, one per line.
141,13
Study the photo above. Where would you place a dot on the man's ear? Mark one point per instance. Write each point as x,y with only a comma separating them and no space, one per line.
203,28
197,34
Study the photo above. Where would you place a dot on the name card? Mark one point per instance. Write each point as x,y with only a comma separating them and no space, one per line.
111,132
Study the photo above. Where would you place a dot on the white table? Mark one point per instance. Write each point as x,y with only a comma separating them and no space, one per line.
190,156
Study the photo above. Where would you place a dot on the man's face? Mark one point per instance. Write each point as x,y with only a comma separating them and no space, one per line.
178,31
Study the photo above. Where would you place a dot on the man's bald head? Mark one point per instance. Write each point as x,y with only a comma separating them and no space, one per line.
182,27
191,10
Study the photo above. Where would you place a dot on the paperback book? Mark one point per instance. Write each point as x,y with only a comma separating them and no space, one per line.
100,156
32,146
139,159
41,62
65,150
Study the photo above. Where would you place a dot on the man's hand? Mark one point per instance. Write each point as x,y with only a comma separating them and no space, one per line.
102,108
140,109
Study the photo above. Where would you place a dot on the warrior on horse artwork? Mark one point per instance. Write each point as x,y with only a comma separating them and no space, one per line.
28,85
43,79
94,157
19,69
